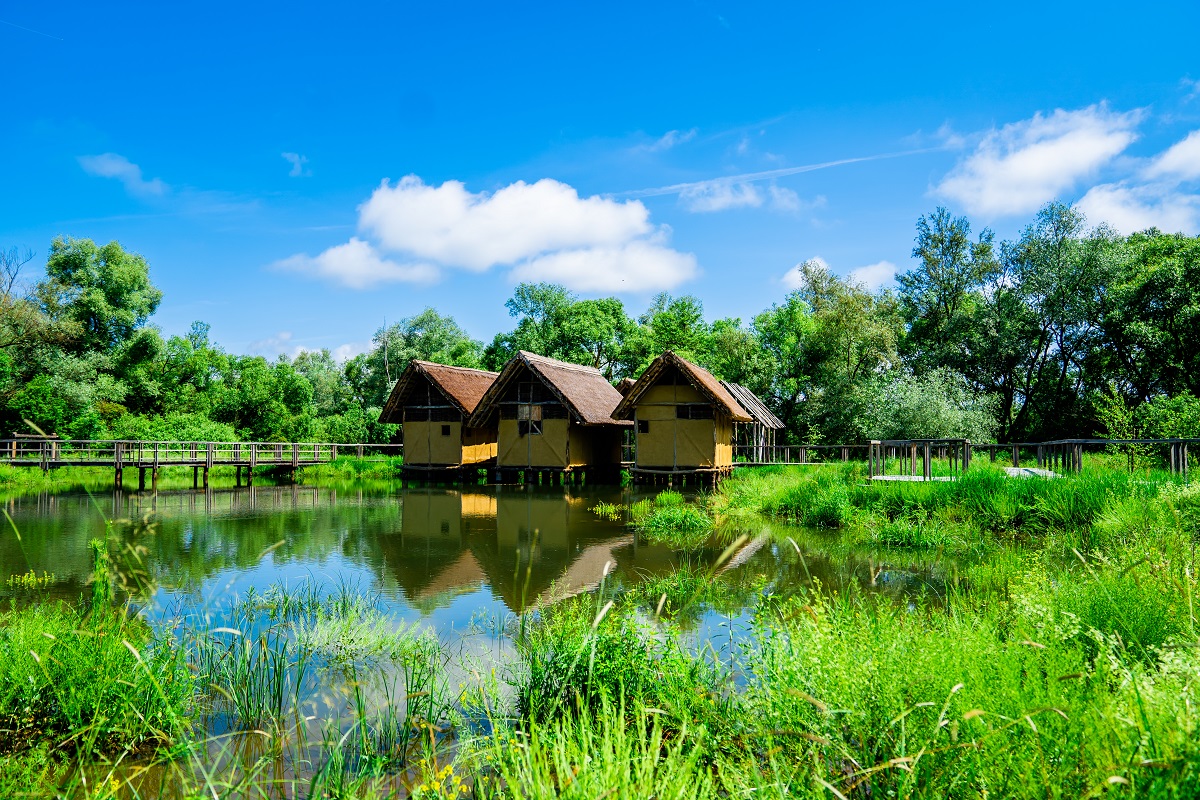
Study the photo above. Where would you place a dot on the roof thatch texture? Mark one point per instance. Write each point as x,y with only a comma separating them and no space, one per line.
698,376
583,390
625,385
462,387
757,409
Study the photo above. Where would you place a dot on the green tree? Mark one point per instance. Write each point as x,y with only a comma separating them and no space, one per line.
1151,316
941,296
105,291
428,336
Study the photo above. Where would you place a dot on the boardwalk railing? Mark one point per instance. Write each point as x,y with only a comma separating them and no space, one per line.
916,457
48,454
749,455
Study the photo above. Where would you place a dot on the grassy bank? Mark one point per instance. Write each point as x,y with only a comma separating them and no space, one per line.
1064,664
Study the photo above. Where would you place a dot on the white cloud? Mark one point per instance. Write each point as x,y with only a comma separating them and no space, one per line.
455,227
794,278
357,265
671,139
543,231
720,195
272,345
1025,164
344,352
638,266
1129,208
299,165
114,165
1181,161
874,276
784,199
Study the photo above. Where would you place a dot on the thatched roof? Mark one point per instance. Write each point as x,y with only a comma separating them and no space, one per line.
757,409
462,387
700,378
625,385
583,390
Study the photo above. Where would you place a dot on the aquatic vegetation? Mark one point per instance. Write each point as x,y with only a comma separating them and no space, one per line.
98,679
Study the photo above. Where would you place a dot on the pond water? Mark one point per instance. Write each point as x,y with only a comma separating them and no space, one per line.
441,556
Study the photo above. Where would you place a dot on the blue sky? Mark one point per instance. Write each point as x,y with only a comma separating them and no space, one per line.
297,173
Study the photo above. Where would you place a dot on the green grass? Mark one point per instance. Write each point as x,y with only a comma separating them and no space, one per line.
1065,663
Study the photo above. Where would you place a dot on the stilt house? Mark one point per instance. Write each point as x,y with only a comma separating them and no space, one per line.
684,418
552,416
753,441
432,402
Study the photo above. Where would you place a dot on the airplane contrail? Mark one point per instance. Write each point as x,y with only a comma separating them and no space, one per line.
746,177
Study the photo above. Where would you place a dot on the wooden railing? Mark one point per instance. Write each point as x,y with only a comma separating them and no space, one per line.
53,453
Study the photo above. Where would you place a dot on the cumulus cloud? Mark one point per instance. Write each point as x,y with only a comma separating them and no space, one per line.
639,266
455,227
299,165
874,276
1025,164
118,167
541,231
1131,208
357,264
1180,162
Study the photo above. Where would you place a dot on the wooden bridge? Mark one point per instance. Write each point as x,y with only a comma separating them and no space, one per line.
50,453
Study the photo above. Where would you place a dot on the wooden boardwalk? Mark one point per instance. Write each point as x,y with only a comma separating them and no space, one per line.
47,454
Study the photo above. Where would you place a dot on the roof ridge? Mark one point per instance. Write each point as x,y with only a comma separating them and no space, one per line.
453,366
560,362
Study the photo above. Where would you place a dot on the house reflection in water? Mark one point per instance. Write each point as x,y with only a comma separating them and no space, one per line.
526,545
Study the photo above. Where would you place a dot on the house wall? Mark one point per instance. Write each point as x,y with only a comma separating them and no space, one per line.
673,443
425,444
546,449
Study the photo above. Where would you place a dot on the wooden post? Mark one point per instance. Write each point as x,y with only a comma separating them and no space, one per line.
154,479
195,477
966,457
141,478
927,462
206,477
1016,455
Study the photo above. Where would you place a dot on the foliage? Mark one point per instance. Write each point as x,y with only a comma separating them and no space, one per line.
1022,340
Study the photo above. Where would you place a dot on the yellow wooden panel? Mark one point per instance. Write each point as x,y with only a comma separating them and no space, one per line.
549,448
416,443
660,393
512,450
656,448
445,443
694,443
664,411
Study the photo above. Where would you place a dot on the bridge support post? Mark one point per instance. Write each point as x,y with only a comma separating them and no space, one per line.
206,477
927,462
141,479
195,477
117,478
239,476
154,480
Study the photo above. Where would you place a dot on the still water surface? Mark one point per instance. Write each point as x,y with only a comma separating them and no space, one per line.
441,556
